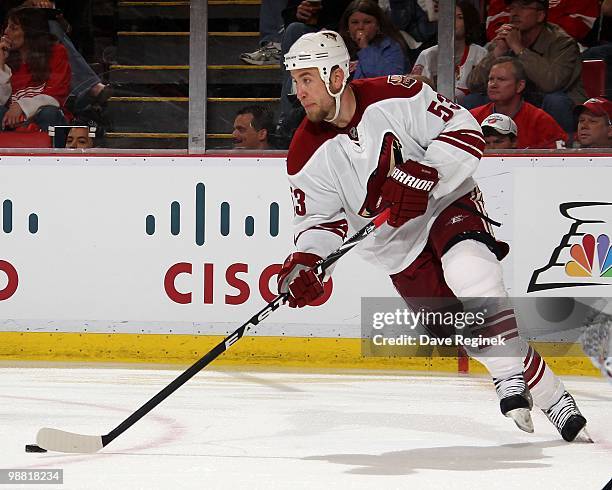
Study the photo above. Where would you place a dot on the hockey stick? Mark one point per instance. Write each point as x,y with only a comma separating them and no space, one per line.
69,442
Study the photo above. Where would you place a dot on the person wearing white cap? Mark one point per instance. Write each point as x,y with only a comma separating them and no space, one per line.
500,132
594,123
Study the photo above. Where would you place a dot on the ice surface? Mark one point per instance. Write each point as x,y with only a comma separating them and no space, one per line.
258,430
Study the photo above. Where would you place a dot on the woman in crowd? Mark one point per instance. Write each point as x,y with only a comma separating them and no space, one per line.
467,53
375,45
39,71
86,86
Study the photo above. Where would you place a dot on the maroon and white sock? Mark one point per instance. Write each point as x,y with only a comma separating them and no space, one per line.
546,388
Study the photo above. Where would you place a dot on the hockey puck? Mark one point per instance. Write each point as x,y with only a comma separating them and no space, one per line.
33,448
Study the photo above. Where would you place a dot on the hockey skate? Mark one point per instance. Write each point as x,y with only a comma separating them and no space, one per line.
515,400
568,420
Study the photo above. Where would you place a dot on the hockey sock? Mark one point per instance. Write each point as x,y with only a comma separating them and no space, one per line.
546,388
506,359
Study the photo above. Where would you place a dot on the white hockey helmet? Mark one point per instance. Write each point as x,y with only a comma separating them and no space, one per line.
323,50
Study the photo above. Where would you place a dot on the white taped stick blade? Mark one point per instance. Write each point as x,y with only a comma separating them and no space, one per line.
67,442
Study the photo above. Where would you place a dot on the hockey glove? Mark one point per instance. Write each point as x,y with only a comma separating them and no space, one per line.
297,277
406,191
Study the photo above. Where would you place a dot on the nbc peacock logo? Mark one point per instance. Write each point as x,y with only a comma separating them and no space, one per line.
590,258
583,256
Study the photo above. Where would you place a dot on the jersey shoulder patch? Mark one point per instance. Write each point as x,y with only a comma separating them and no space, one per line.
372,90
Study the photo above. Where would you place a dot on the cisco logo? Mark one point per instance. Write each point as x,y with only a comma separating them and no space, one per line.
236,282
201,221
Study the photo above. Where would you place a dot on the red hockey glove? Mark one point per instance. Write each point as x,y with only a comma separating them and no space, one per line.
297,278
406,191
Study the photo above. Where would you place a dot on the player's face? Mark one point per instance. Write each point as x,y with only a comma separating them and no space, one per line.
79,138
594,131
362,25
312,94
502,85
499,142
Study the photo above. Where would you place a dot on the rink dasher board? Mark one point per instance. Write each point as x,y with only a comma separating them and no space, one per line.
93,265
279,352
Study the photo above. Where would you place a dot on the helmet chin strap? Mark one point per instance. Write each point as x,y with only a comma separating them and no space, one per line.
337,104
337,98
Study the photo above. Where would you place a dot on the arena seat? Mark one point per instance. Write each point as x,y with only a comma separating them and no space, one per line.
24,139
594,77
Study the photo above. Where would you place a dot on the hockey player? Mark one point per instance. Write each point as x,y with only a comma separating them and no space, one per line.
393,142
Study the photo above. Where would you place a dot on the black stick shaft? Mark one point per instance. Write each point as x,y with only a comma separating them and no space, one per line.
192,370
228,341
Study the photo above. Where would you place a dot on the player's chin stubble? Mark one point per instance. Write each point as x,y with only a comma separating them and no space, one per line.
317,115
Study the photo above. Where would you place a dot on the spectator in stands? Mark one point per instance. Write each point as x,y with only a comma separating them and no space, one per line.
600,42
536,128
594,123
40,72
575,17
5,72
551,59
467,53
418,21
500,132
375,45
79,138
319,14
79,16
253,127
301,17
270,25
86,86
85,135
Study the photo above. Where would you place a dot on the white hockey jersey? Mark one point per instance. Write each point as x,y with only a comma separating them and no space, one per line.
335,174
